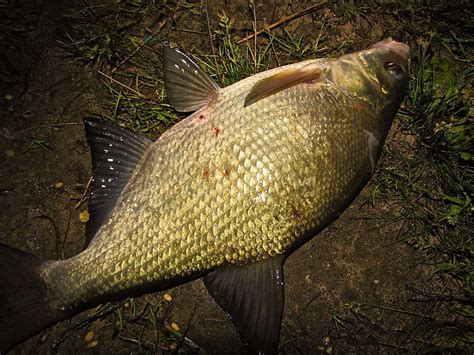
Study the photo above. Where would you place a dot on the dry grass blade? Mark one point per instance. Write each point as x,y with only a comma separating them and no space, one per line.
284,20
121,84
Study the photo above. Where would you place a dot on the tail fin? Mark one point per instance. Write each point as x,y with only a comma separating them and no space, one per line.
23,308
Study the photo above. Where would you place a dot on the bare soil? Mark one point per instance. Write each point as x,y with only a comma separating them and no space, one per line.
45,167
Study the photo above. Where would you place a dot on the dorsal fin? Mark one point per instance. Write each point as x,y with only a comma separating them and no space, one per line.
252,294
115,154
281,81
187,86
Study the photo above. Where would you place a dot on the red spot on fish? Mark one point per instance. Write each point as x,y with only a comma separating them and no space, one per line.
202,117
227,170
296,214
217,131
205,172
357,106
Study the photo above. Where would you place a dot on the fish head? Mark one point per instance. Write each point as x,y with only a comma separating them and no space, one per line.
378,76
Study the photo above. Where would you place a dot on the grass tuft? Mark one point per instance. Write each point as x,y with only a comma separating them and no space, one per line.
434,185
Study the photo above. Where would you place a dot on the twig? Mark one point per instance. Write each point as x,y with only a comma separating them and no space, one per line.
418,323
183,337
160,27
101,314
210,34
90,7
84,197
284,20
66,234
189,31
18,226
40,216
119,83
254,11
392,309
53,125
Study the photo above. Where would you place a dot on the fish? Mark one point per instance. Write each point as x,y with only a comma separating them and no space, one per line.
257,169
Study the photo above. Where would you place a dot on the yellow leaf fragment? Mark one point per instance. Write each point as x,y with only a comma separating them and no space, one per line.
92,344
174,326
89,336
84,216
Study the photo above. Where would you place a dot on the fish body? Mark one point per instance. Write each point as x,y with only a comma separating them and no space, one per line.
260,167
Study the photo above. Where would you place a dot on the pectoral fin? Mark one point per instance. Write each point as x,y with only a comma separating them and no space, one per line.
281,81
187,86
252,294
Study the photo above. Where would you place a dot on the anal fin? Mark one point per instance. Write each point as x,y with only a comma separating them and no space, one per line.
253,295
116,152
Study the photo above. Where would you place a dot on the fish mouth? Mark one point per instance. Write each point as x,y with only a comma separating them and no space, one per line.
401,49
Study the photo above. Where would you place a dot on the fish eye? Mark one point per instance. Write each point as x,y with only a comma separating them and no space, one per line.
394,69
391,66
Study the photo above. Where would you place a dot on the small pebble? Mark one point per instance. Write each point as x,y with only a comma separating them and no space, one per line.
84,216
167,297
58,184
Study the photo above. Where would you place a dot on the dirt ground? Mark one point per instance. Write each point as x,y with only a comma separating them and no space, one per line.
45,167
